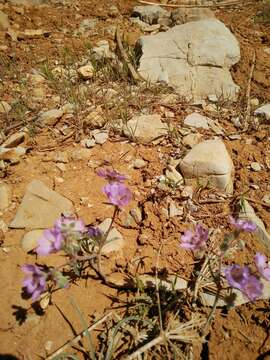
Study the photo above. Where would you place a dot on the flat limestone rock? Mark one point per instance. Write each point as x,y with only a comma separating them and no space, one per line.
193,58
145,128
40,207
209,159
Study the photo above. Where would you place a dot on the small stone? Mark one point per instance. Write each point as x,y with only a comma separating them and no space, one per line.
84,200
266,199
145,128
86,71
113,11
263,111
174,176
187,192
3,226
152,14
115,241
4,196
136,215
236,122
139,163
102,50
235,137
48,346
61,157
191,139
196,120
4,22
12,155
175,210
4,107
80,154
94,120
255,166
30,240
88,143
51,117
254,102
59,179
100,136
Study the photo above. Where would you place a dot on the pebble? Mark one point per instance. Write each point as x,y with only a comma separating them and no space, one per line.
86,71
139,163
4,196
255,166
4,107
61,166
88,143
100,136
266,199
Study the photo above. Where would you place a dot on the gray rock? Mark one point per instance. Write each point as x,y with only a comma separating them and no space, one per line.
30,240
4,22
174,176
94,119
100,136
4,196
266,199
145,128
40,207
193,58
200,163
152,14
12,155
102,50
50,117
115,241
139,163
14,140
61,157
263,111
86,71
255,166
4,107
247,212
144,26
88,143
184,15
174,210
192,139
196,120
80,154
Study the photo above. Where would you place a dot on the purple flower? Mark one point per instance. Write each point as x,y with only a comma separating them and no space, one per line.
67,224
253,288
237,275
118,194
194,240
111,175
240,278
50,242
95,232
262,266
34,281
243,225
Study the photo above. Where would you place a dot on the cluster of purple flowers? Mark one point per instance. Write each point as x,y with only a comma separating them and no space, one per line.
69,227
53,239
242,278
116,191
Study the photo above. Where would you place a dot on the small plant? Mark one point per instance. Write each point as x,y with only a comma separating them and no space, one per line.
82,244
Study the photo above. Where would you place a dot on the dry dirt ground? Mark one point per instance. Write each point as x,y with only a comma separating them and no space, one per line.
25,331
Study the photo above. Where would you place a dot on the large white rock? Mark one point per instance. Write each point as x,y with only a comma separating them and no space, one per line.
145,128
194,58
209,159
40,207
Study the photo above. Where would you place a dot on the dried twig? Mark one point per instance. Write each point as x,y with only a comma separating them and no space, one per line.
78,338
247,117
220,5
125,57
